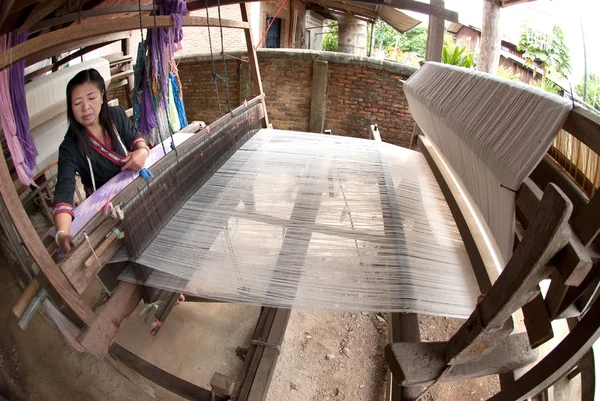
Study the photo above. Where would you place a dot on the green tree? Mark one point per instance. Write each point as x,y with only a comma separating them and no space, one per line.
593,90
330,38
457,55
547,50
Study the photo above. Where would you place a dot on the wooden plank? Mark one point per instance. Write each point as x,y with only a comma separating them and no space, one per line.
102,332
93,29
266,367
36,248
585,126
537,321
558,362
422,363
41,10
164,379
25,298
545,236
121,75
253,61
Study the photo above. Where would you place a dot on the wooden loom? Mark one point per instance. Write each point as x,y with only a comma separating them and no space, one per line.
574,268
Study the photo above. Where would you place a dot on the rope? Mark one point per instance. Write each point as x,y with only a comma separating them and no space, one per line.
272,20
266,345
212,59
223,56
430,388
87,239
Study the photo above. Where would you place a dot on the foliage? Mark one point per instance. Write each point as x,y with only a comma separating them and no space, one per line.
508,73
412,41
330,38
458,56
593,90
547,50
548,86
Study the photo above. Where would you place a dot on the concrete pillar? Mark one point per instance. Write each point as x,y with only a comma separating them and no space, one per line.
245,82
435,35
318,96
352,35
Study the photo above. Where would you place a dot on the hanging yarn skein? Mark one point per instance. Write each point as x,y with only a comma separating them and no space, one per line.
19,104
9,125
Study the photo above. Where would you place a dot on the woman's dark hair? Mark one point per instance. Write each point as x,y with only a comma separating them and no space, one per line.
105,119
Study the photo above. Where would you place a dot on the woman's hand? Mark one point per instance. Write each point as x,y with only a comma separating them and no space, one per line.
135,160
65,241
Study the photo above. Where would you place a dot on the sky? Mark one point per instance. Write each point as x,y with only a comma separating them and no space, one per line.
570,15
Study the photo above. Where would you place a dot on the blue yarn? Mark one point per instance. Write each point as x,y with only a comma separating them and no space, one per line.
146,174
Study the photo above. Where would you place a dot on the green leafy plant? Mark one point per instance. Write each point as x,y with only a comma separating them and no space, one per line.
458,56
508,73
548,50
330,38
593,90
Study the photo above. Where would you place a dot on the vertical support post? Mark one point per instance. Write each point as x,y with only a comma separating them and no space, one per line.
125,48
318,96
253,61
245,82
489,53
371,44
435,35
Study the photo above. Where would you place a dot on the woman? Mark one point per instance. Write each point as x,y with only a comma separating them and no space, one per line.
100,142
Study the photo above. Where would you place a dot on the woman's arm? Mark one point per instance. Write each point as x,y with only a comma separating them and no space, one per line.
139,151
63,209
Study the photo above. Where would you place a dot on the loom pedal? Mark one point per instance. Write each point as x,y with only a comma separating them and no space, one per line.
414,364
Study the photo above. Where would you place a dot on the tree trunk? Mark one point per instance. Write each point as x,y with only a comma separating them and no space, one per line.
489,47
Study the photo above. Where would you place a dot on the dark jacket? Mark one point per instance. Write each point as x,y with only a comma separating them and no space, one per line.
71,161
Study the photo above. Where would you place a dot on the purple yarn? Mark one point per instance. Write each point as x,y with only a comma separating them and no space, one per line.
19,103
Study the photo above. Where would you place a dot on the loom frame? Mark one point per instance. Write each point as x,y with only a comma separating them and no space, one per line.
584,125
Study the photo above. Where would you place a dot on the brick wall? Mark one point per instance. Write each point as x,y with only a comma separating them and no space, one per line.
121,94
358,96
360,92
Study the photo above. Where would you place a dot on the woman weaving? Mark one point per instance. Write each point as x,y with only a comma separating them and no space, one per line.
100,142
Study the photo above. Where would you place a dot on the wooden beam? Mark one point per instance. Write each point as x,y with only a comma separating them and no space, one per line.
558,362
53,51
545,236
422,363
365,12
416,6
537,322
40,11
253,61
89,30
37,250
164,379
435,35
63,19
585,126
78,54
98,338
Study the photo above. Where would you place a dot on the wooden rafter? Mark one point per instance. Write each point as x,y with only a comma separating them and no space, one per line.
5,7
94,29
40,11
507,3
49,23
361,11
416,6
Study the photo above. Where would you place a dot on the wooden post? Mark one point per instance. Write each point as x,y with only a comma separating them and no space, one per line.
371,44
435,35
253,61
489,53
125,44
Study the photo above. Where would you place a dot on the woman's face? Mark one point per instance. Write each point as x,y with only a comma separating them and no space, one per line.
86,102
